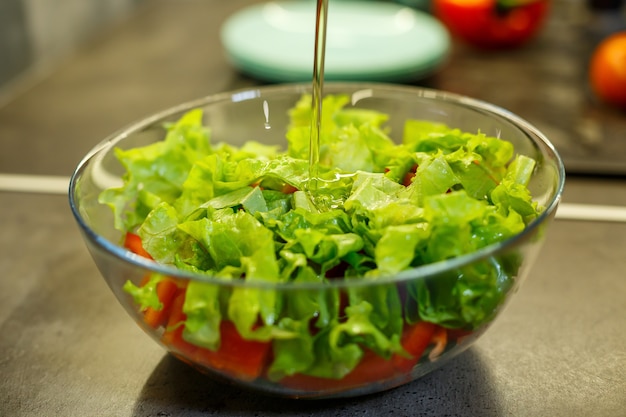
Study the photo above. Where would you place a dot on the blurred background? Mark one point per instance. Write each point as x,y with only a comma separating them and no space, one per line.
37,35
74,71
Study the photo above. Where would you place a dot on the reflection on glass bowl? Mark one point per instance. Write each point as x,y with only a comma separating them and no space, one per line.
281,317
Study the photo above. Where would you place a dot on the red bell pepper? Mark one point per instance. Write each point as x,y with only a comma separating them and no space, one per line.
492,23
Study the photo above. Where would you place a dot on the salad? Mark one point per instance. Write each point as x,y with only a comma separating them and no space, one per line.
246,215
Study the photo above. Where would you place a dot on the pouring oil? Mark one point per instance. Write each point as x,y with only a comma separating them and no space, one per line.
321,19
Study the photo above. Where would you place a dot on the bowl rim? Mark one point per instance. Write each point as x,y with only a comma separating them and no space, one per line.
419,272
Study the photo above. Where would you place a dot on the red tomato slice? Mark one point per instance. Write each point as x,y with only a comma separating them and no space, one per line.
173,335
166,291
243,359
415,340
132,242
372,368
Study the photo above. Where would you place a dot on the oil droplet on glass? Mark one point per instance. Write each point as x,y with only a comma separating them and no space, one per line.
266,112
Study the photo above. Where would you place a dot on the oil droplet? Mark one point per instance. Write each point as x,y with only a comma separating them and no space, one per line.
266,112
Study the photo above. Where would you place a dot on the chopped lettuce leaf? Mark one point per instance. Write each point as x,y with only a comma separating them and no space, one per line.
145,295
202,308
157,171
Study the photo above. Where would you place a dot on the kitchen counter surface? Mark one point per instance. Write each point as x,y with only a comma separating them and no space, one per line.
68,349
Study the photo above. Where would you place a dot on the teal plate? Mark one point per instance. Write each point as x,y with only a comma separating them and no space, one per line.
366,41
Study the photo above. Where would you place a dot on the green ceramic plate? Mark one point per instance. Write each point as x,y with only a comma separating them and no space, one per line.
366,41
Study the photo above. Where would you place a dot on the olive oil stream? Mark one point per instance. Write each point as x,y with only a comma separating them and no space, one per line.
321,19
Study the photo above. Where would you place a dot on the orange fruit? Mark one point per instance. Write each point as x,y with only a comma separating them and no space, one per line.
607,69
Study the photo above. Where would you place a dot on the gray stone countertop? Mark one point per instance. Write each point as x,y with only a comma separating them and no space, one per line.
68,349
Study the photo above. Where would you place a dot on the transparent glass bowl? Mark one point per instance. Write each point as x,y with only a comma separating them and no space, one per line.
236,117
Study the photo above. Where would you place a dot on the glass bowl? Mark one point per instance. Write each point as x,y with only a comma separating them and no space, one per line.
298,333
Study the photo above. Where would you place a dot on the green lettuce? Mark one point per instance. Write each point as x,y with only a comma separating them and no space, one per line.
242,214
156,173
